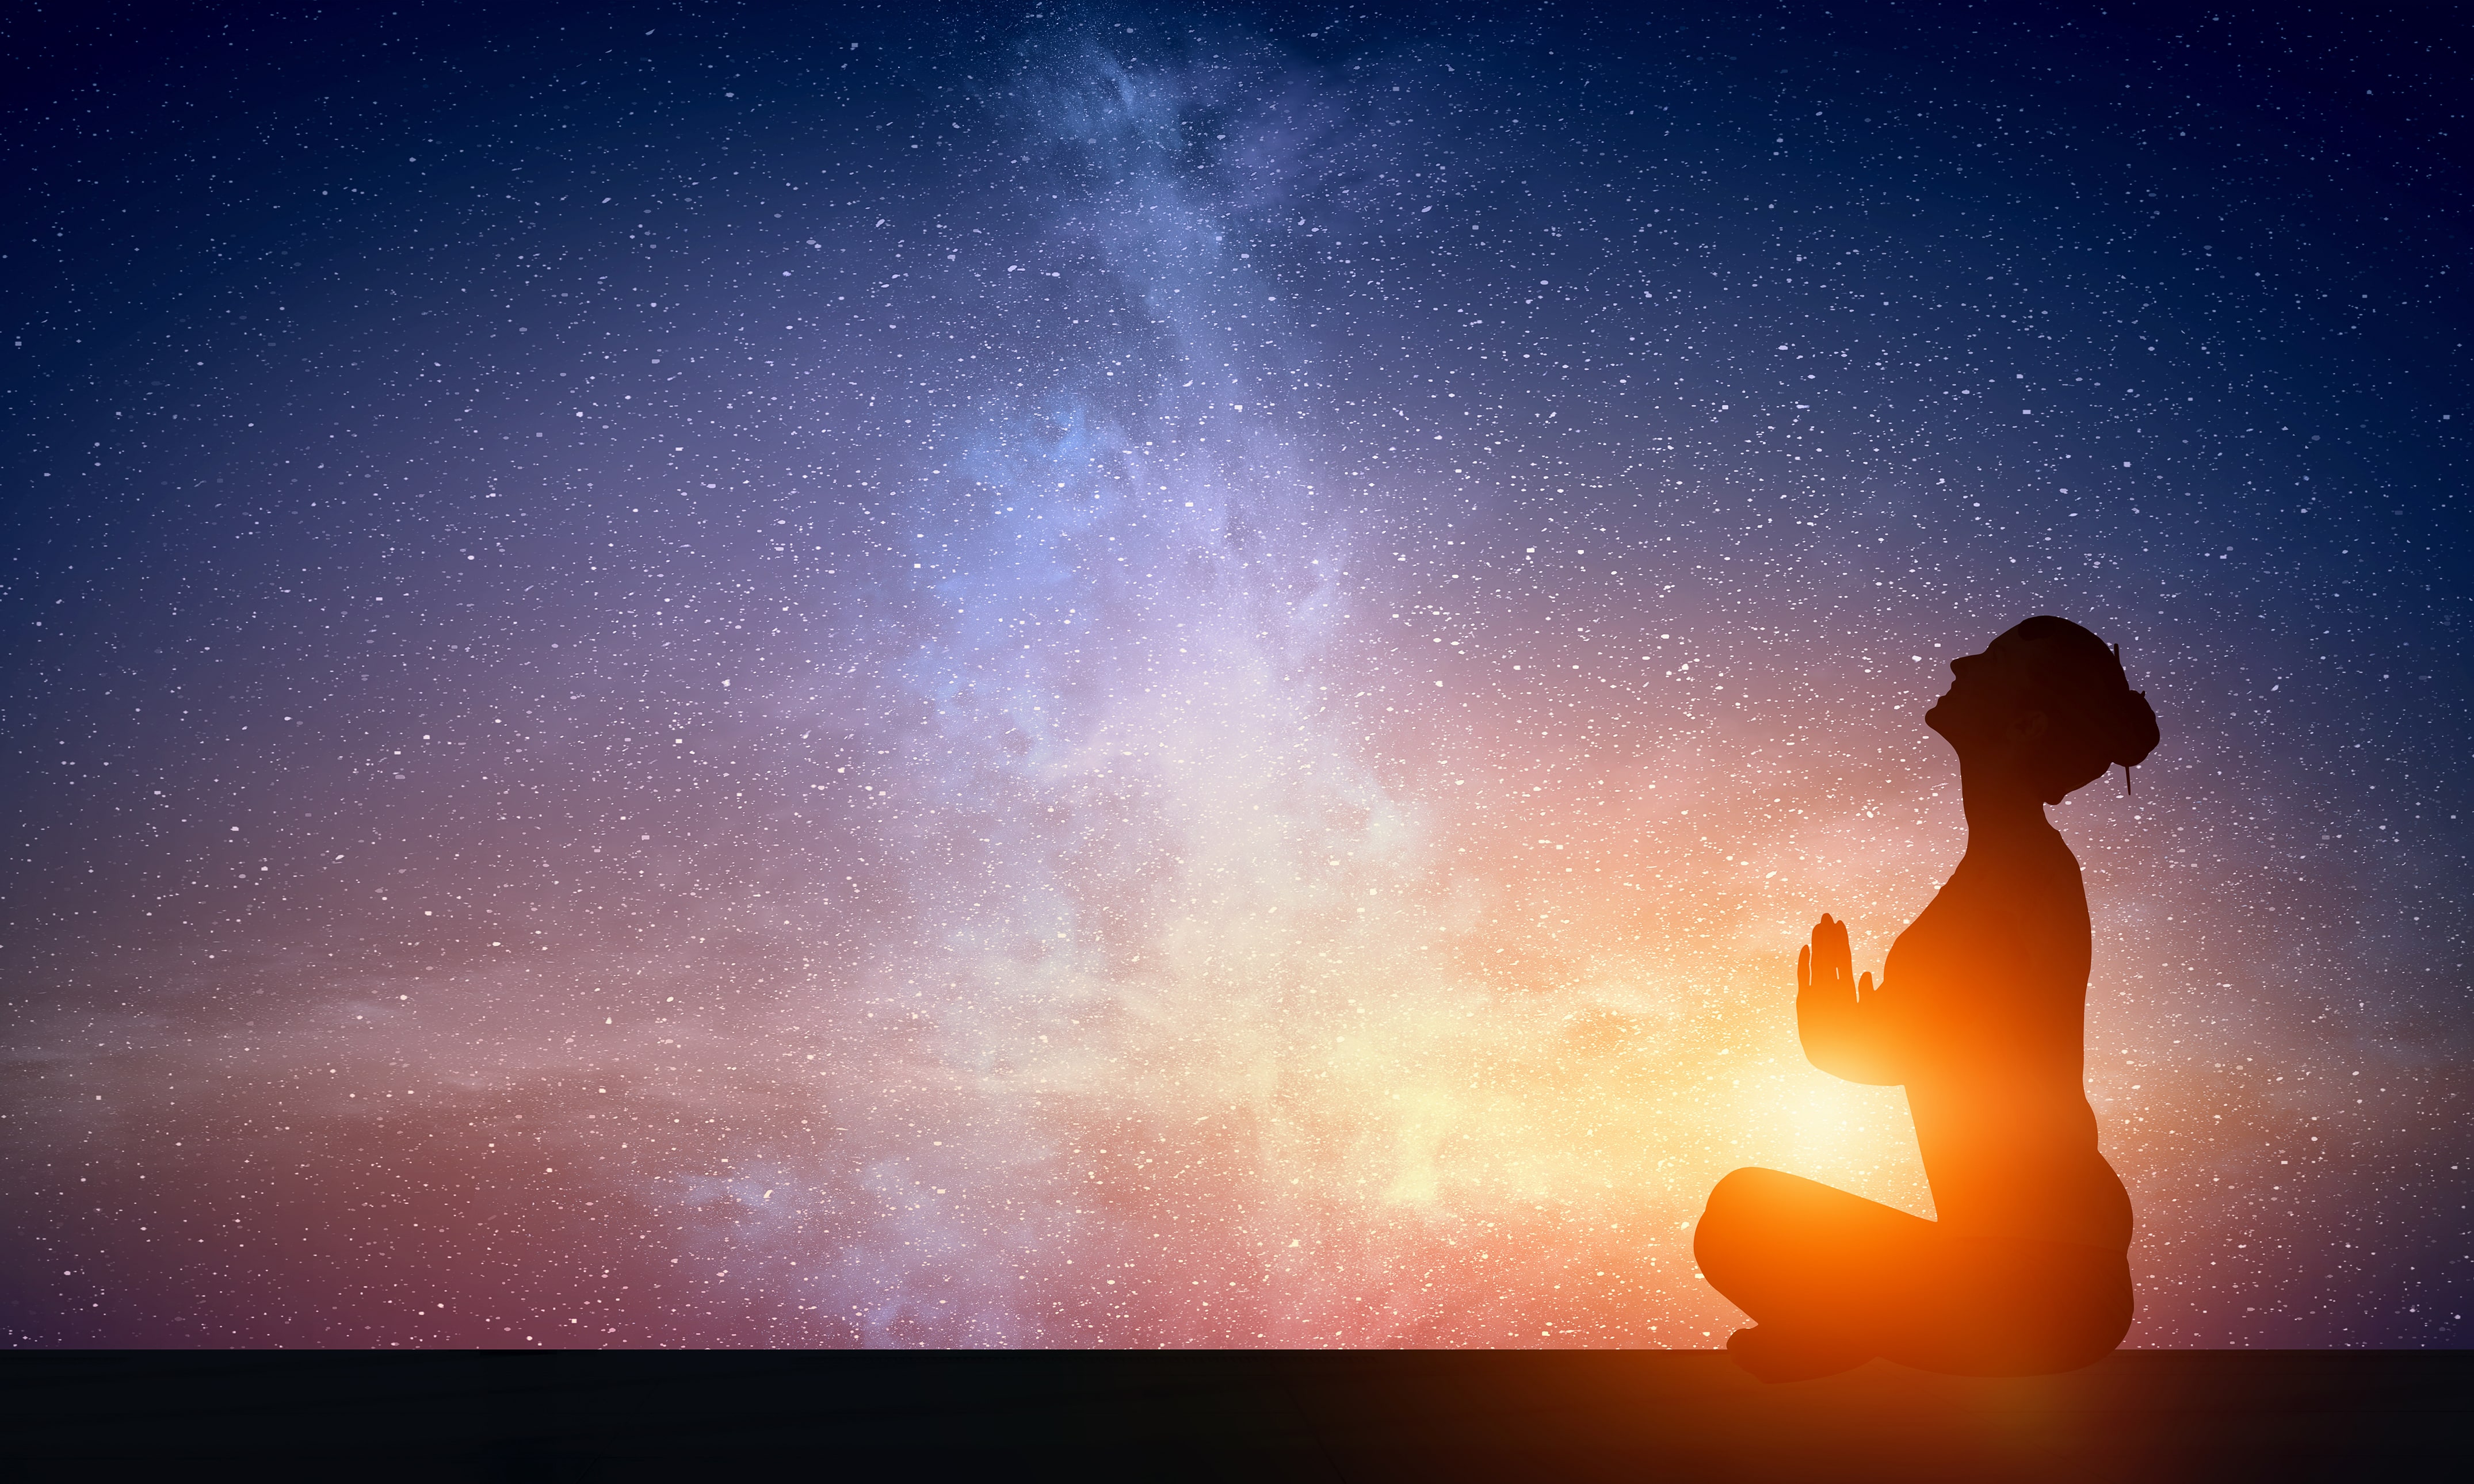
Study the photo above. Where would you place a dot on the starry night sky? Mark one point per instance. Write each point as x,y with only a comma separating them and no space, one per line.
760,674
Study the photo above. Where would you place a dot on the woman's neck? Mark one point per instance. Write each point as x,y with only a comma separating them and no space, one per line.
2000,807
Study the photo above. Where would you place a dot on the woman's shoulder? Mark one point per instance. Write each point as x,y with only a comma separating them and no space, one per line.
2049,896
2027,883
2053,854
2032,858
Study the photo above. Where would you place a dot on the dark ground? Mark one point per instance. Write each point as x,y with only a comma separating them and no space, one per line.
2138,1415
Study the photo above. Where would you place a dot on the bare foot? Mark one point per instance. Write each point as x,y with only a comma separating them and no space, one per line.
1777,1356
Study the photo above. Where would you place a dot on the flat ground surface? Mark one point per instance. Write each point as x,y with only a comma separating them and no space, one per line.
2138,1415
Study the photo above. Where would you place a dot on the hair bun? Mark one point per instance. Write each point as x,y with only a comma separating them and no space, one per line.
2077,680
2134,732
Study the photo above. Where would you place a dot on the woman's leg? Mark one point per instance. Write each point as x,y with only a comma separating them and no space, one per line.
1810,1259
1830,1275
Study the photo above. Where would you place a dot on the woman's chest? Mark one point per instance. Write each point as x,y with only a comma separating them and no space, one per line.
1987,945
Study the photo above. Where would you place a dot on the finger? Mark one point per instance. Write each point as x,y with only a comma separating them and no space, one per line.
1804,971
1864,987
1835,954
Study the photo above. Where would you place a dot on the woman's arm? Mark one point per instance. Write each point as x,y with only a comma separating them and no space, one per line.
1849,1029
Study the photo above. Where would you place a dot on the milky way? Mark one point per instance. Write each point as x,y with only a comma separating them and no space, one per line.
1147,680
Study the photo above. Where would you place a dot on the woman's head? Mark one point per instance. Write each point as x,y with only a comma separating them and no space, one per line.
2049,699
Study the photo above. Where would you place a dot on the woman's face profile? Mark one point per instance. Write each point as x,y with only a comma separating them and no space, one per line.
1982,704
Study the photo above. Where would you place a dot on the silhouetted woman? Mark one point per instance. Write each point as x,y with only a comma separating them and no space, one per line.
1978,1015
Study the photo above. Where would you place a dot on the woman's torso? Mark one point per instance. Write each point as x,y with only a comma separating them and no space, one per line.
1990,983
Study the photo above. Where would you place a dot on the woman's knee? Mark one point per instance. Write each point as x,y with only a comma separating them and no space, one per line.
1743,1194
1736,1211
